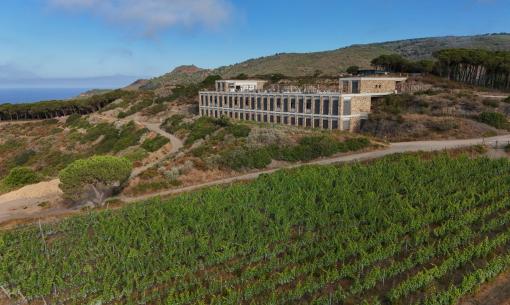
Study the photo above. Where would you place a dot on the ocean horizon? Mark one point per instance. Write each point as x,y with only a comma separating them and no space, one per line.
31,95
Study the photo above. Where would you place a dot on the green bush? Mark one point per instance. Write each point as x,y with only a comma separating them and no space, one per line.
244,158
239,131
507,100
205,126
23,157
93,180
135,108
152,145
494,119
113,139
173,123
313,147
20,176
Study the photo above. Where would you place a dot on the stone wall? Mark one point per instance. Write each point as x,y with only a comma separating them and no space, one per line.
361,104
377,86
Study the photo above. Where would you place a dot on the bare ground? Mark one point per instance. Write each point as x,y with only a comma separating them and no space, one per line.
496,292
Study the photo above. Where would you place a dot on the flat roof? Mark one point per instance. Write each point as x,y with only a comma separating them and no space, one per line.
398,79
241,81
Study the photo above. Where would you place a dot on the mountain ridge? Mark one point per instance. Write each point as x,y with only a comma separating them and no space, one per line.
332,62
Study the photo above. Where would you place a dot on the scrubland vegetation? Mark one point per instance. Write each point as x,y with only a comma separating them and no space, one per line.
314,235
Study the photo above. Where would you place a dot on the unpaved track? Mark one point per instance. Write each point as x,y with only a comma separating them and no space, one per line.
393,148
389,150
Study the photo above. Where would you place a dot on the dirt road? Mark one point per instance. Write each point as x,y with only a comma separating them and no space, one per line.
9,215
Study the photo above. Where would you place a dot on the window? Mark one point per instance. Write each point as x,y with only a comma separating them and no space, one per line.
347,125
325,109
335,106
347,106
317,102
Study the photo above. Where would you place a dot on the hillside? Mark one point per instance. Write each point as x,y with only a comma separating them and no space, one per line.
333,62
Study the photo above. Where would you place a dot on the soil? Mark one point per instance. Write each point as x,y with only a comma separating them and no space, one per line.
496,292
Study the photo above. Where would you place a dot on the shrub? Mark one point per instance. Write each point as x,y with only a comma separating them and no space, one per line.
205,126
23,157
243,158
239,131
494,119
173,123
354,70
21,176
91,181
313,147
151,145
491,103
507,100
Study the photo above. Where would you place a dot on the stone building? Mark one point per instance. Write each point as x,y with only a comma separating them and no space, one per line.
342,110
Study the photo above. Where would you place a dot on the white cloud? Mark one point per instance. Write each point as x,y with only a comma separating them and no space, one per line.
151,16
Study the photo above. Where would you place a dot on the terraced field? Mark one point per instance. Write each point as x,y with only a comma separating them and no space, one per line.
397,231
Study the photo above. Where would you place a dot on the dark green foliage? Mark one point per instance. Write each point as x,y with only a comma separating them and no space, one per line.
135,108
313,147
475,66
507,100
244,158
23,157
494,119
53,109
113,139
173,123
205,126
76,120
105,173
400,103
398,64
19,177
354,70
10,145
151,145
210,81
155,109
239,131
241,76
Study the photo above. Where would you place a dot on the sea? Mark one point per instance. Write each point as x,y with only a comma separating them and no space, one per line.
30,95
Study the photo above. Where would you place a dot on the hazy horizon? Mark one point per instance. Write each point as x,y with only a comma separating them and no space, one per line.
106,43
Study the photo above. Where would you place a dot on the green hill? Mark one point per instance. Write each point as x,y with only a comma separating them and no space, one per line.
336,61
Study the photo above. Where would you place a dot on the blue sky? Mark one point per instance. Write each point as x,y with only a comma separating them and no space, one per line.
124,39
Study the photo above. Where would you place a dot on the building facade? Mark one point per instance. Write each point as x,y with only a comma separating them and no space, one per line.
246,100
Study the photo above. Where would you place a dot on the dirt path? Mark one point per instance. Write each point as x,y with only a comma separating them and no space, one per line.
394,148
30,200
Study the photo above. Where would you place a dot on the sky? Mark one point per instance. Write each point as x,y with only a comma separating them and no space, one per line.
109,43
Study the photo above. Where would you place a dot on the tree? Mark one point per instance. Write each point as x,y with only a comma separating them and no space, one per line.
93,180
354,70
19,177
476,67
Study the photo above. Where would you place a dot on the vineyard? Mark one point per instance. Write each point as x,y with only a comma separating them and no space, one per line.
401,230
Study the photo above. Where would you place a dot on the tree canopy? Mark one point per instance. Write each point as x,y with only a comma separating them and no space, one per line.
477,67
93,180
